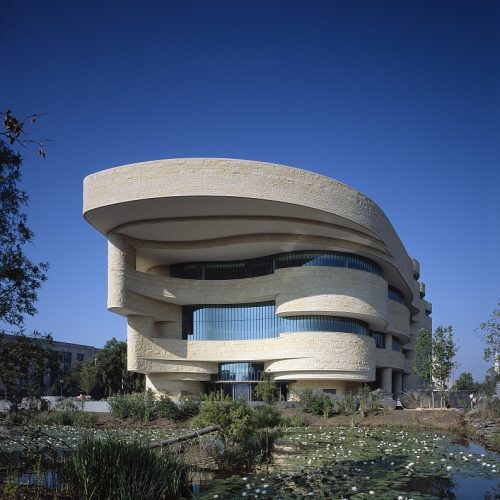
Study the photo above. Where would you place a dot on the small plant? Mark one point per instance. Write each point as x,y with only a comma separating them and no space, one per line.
267,390
350,403
16,418
493,407
166,408
113,468
295,420
188,408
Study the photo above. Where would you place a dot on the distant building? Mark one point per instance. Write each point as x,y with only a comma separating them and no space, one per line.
68,355
228,268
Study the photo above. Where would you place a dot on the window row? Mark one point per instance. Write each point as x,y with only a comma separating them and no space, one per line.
251,268
256,321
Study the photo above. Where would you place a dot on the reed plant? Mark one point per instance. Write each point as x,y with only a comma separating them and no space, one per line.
115,469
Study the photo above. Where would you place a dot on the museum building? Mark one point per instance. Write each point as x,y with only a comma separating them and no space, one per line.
226,269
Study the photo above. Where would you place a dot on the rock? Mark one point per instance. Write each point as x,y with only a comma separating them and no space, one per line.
5,407
34,404
388,402
52,401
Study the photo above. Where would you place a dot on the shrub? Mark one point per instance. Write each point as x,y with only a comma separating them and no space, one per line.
147,407
267,416
166,408
350,403
267,390
138,406
76,419
113,468
189,408
247,434
295,420
320,404
16,418
493,407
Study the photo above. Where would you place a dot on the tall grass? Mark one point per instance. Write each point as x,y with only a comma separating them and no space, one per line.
115,469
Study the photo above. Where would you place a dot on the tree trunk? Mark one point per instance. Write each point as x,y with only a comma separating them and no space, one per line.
186,437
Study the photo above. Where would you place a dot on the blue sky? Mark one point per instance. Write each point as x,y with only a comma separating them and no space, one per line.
397,99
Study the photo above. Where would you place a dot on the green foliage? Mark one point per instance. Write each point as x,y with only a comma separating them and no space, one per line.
16,418
422,362
267,416
465,382
20,278
166,408
489,332
73,418
247,434
138,406
188,408
295,420
493,407
351,403
435,358
320,404
24,360
112,468
267,390
106,374
443,354
146,406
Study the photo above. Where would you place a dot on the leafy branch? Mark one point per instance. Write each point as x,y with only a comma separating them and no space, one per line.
14,130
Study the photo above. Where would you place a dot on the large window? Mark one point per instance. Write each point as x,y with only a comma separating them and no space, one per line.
239,372
396,344
256,321
250,268
396,295
379,339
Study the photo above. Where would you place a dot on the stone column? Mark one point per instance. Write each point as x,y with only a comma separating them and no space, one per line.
386,375
397,383
388,341
138,328
121,257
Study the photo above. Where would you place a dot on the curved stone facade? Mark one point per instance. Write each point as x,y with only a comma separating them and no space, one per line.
229,224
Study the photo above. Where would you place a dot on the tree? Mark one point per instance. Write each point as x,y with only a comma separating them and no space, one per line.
24,362
444,351
422,362
489,332
20,278
106,374
434,358
465,382
267,389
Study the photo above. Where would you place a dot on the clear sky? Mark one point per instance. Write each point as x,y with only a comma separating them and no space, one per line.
397,99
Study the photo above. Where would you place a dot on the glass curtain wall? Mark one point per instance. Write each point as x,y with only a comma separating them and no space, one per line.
261,266
379,338
256,321
396,295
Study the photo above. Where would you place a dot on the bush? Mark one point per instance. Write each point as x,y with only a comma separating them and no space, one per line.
247,435
16,418
295,420
113,468
320,404
147,407
493,407
267,416
74,418
166,408
138,406
189,408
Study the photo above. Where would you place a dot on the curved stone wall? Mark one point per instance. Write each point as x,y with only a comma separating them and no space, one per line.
157,214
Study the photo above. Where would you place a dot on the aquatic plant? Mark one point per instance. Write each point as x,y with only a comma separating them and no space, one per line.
114,468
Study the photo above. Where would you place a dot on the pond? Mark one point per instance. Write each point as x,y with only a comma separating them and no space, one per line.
361,462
